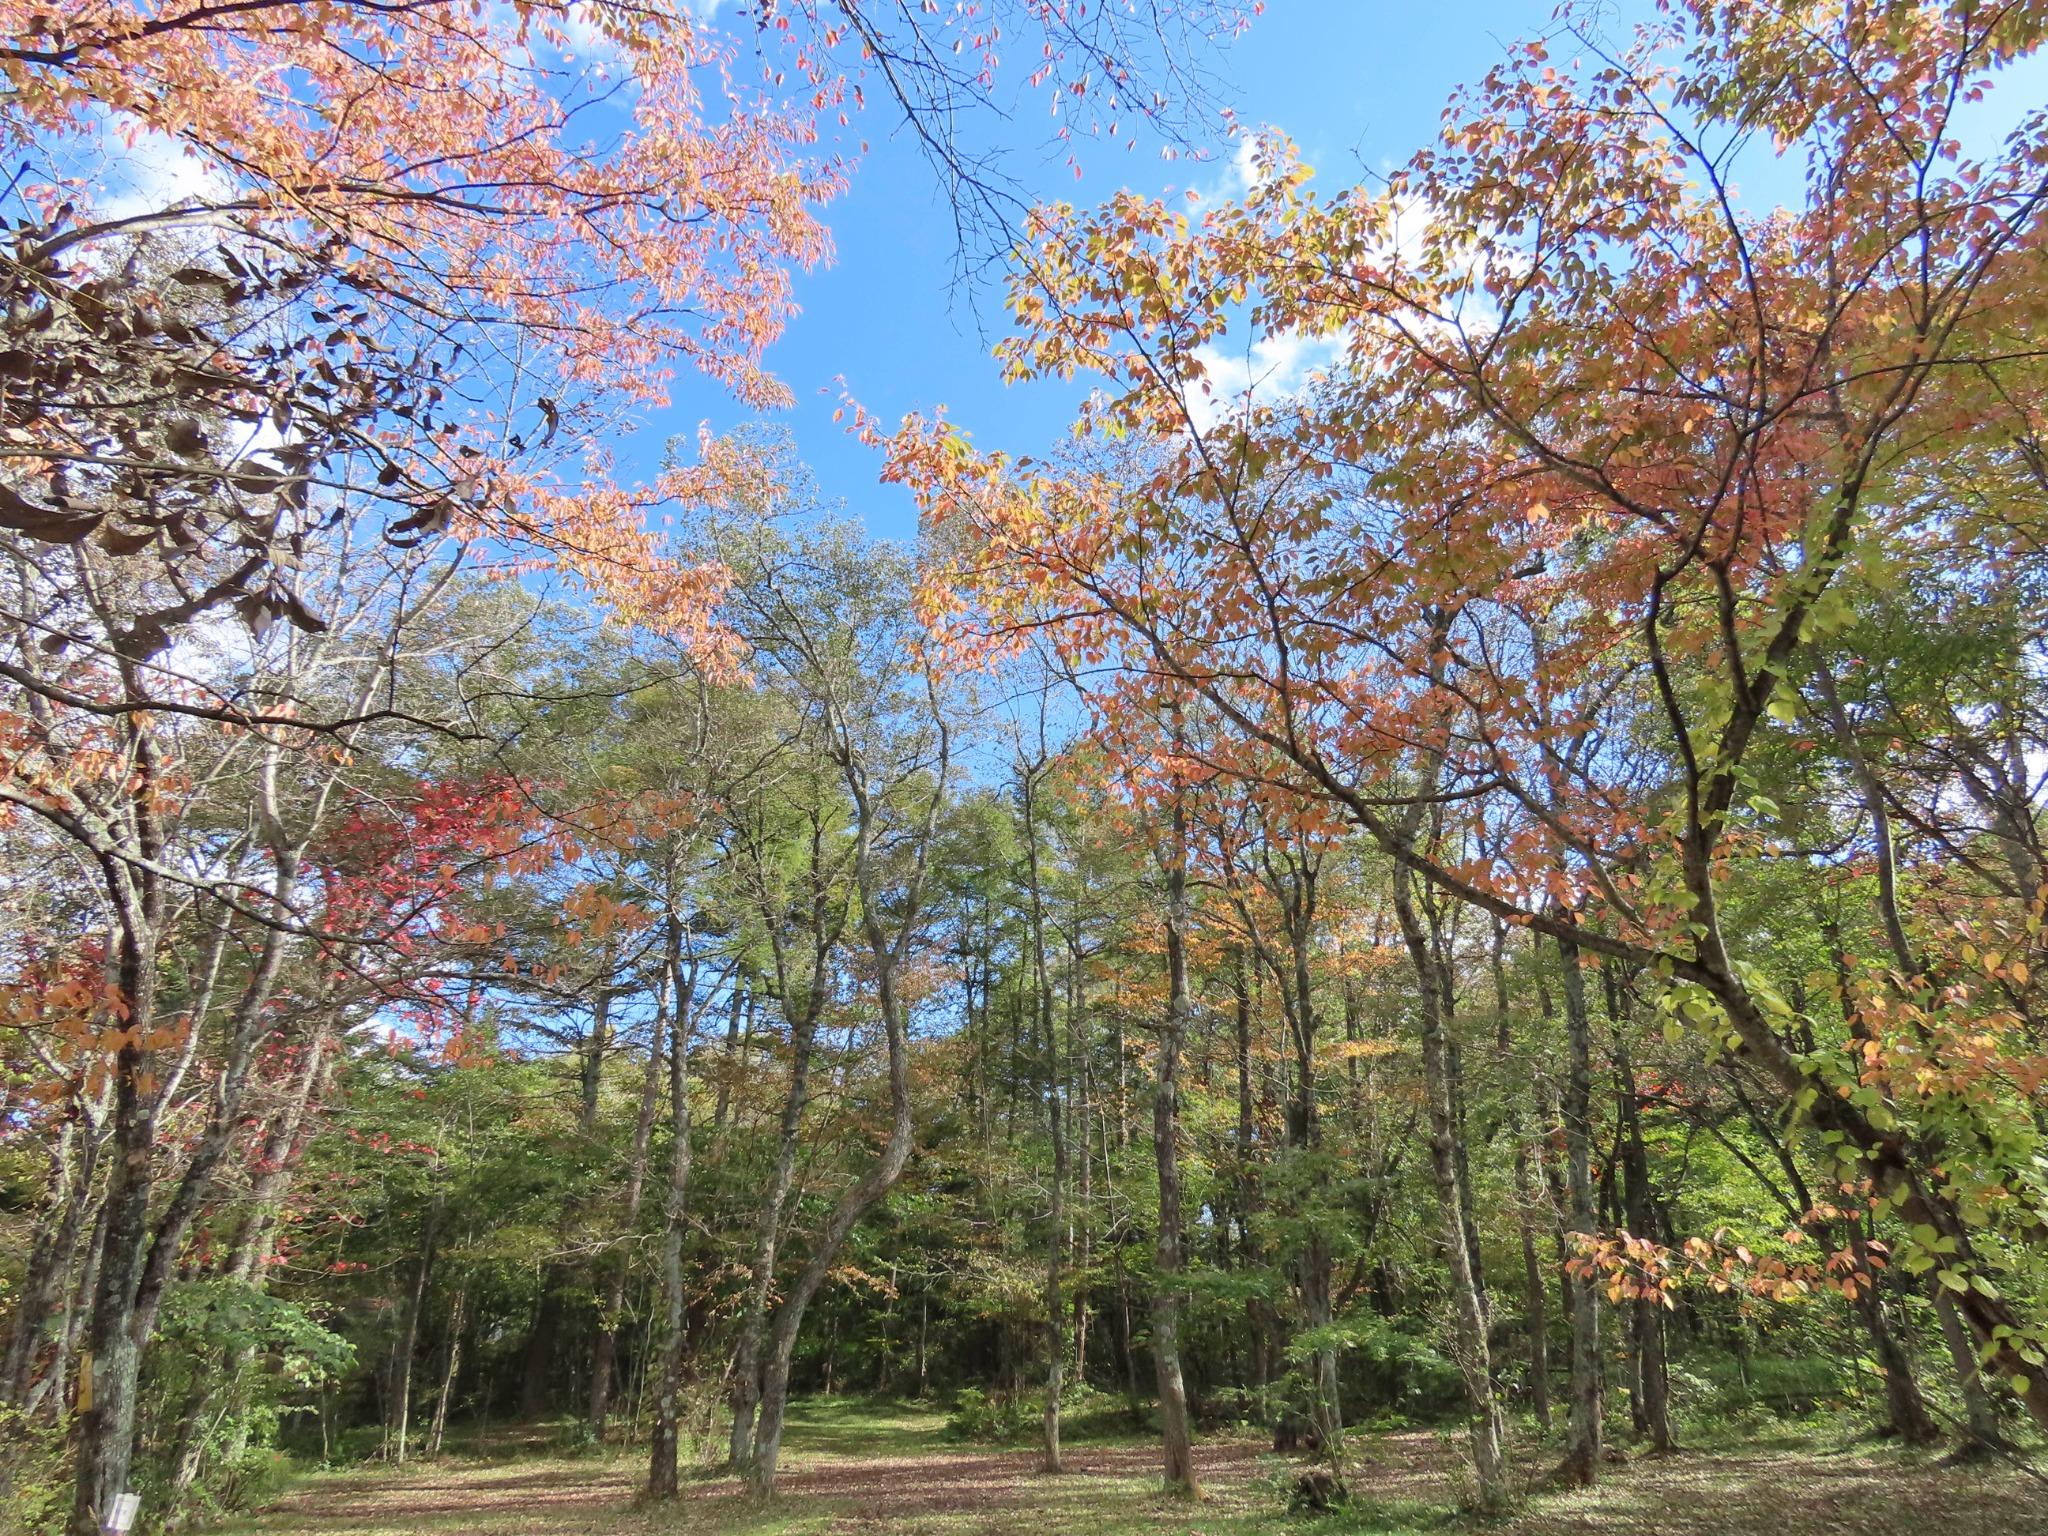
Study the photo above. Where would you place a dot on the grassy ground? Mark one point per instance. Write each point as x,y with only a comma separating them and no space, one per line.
863,1469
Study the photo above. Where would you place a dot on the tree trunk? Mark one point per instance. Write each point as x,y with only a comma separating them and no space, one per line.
401,1390
1581,1463
853,1205
1176,1437
664,1449
1468,1305
1983,1429
1078,1043
604,1359
1055,1319
108,1369
746,1371
1652,1376
1056,1220
455,1325
1535,1296
1905,1407
537,1361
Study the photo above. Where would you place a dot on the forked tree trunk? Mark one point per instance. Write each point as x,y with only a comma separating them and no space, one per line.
747,1360
887,950
852,1206
408,1345
456,1320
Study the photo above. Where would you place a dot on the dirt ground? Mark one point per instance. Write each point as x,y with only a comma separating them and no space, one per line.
851,1470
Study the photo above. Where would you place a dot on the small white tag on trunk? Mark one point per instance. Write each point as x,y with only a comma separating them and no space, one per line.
122,1516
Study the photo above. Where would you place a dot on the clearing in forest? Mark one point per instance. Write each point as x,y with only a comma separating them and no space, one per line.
860,1467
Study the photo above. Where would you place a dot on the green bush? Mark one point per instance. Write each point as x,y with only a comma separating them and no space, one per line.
1001,1418
987,1420
1785,1386
221,1377
35,1473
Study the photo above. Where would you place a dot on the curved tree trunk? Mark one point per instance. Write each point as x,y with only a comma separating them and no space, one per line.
852,1206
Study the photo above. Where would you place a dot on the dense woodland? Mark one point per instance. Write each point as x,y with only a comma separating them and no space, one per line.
1501,888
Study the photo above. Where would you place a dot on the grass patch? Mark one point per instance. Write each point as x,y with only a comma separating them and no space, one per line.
858,1467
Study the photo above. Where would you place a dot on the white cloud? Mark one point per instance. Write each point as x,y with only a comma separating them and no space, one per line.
1268,370
144,172
1245,165
1239,176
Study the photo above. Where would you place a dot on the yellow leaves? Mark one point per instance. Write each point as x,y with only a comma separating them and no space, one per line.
1362,1050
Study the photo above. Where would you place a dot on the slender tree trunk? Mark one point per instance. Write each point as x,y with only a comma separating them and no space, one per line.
1077,1011
1055,1088
1127,1351
1535,1296
538,1358
1983,1429
456,1321
537,1374
604,1361
1652,1377
52,1385
664,1450
1468,1306
747,1361
1581,1463
401,1390
275,1165
742,1004
1176,1436
1904,1406
1055,1318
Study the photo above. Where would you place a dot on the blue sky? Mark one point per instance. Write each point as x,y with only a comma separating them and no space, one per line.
1359,84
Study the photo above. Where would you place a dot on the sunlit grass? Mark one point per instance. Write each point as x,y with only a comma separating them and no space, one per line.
856,1467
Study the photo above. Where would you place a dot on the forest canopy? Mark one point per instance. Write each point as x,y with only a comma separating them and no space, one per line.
1457,845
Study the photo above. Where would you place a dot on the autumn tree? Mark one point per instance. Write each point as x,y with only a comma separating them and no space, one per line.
1585,472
